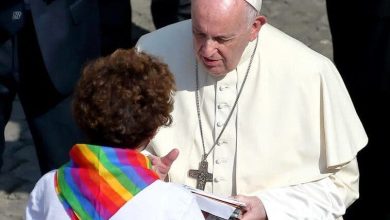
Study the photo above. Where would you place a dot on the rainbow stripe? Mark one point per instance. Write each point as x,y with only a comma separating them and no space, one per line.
99,180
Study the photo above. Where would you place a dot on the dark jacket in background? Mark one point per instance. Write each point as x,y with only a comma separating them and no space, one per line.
361,43
41,56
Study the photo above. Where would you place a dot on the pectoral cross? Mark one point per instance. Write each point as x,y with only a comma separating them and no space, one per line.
201,175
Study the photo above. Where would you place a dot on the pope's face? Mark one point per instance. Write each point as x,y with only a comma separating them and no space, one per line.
220,35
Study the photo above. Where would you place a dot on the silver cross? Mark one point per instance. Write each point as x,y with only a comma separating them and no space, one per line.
201,175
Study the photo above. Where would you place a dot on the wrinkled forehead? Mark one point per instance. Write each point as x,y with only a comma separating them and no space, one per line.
219,17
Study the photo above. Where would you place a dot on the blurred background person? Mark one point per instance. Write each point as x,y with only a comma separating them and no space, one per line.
43,45
165,12
361,44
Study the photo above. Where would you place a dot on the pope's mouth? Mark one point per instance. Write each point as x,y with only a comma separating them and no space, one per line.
210,62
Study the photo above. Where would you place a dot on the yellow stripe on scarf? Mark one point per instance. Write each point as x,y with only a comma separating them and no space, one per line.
105,174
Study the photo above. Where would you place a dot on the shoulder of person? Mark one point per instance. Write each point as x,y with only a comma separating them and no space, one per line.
47,180
166,37
175,189
274,39
278,47
166,200
183,201
42,189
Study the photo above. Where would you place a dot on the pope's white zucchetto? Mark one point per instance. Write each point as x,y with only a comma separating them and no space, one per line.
255,3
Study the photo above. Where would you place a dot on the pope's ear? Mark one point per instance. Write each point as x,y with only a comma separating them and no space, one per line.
256,25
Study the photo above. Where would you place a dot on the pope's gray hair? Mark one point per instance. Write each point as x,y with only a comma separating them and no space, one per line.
251,14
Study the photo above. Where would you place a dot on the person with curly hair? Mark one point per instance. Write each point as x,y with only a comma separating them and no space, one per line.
120,102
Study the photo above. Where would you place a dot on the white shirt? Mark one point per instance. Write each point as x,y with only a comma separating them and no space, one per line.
158,201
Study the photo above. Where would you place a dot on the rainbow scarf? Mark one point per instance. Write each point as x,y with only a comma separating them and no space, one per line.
98,180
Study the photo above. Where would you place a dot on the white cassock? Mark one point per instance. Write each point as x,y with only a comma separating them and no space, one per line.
158,201
293,137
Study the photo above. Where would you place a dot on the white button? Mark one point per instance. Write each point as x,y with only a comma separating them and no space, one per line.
219,124
221,88
218,179
222,105
220,161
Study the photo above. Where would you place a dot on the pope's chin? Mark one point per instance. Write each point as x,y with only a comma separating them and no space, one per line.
215,70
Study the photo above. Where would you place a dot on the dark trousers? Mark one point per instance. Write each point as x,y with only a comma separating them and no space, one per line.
361,42
165,12
48,112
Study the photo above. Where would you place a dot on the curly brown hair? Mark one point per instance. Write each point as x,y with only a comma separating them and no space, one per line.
122,99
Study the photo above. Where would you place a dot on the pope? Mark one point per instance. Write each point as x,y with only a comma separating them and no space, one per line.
257,115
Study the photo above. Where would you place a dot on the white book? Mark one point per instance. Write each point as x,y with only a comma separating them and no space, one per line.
219,206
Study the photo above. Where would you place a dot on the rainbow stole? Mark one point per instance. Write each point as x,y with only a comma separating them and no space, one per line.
98,181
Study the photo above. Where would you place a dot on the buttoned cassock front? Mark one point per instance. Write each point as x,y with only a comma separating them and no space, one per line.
294,122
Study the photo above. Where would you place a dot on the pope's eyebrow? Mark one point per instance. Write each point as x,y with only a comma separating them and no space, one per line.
224,37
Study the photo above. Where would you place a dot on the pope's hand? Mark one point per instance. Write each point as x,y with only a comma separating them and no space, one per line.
162,164
254,209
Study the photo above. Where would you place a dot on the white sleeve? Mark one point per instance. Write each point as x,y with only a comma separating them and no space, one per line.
34,208
314,200
43,202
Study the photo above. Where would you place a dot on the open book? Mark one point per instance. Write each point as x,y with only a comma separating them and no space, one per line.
218,206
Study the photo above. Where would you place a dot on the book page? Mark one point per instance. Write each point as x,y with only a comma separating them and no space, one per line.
219,206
